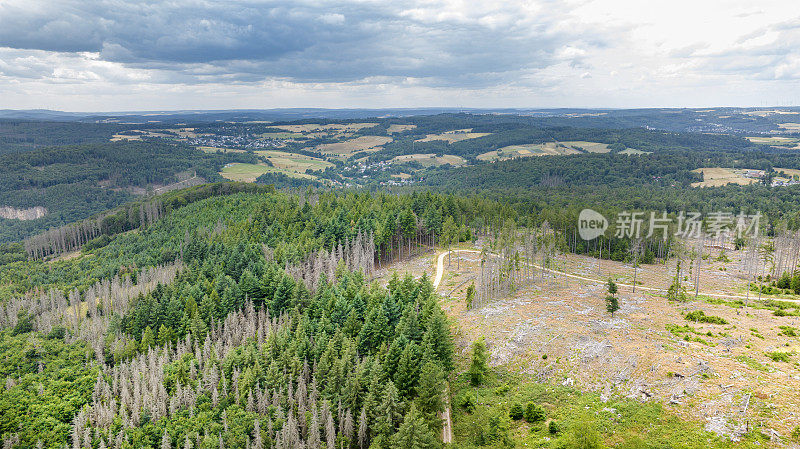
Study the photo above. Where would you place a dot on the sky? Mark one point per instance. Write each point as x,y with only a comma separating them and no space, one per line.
121,55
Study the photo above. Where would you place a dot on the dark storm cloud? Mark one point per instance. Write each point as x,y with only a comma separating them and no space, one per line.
206,41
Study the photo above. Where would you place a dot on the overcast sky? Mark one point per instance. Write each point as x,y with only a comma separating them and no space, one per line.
112,55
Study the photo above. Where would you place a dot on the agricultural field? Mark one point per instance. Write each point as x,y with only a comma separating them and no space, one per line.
181,133
776,141
349,147
399,128
250,172
243,172
430,159
453,136
634,151
790,126
528,150
293,162
589,147
316,127
718,176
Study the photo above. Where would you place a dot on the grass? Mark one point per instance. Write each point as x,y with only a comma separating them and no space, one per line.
243,172
528,150
249,172
754,364
589,147
634,151
352,146
616,423
720,176
293,162
701,317
312,127
456,135
431,159
778,356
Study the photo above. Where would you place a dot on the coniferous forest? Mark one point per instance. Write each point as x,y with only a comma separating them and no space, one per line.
156,305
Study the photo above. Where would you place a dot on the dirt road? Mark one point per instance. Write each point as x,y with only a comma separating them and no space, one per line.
440,273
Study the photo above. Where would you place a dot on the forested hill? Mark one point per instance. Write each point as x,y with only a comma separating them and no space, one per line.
24,135
74,182
235,321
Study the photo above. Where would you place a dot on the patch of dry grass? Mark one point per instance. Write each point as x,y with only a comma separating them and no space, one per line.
352,146
430,159
456,135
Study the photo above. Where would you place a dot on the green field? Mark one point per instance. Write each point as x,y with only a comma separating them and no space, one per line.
481,416
249,172
430,159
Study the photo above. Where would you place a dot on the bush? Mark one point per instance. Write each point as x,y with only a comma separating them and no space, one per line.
553,427
784,281
779,356
466,401
796,434
584,436
516,411
533,413
700,316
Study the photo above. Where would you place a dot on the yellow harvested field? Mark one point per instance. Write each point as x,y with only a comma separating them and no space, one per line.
399,128
790,126
453,136
589,147
634,151
297,163
430,159
718,176
349,147
312,127
401,175
118,137
249,172
788,171
765,140
528,150
766,113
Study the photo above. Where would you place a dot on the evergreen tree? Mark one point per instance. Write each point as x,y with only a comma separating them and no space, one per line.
414,433
470,295
478,367
430,394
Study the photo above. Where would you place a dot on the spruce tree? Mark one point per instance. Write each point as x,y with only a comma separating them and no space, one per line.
430,399
414,433
478,367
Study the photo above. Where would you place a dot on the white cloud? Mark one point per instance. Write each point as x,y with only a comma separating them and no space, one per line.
107,55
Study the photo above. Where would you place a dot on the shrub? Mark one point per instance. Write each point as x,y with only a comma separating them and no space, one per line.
533,413
466,401
700,316
585,436
516,411
779,356
553,427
